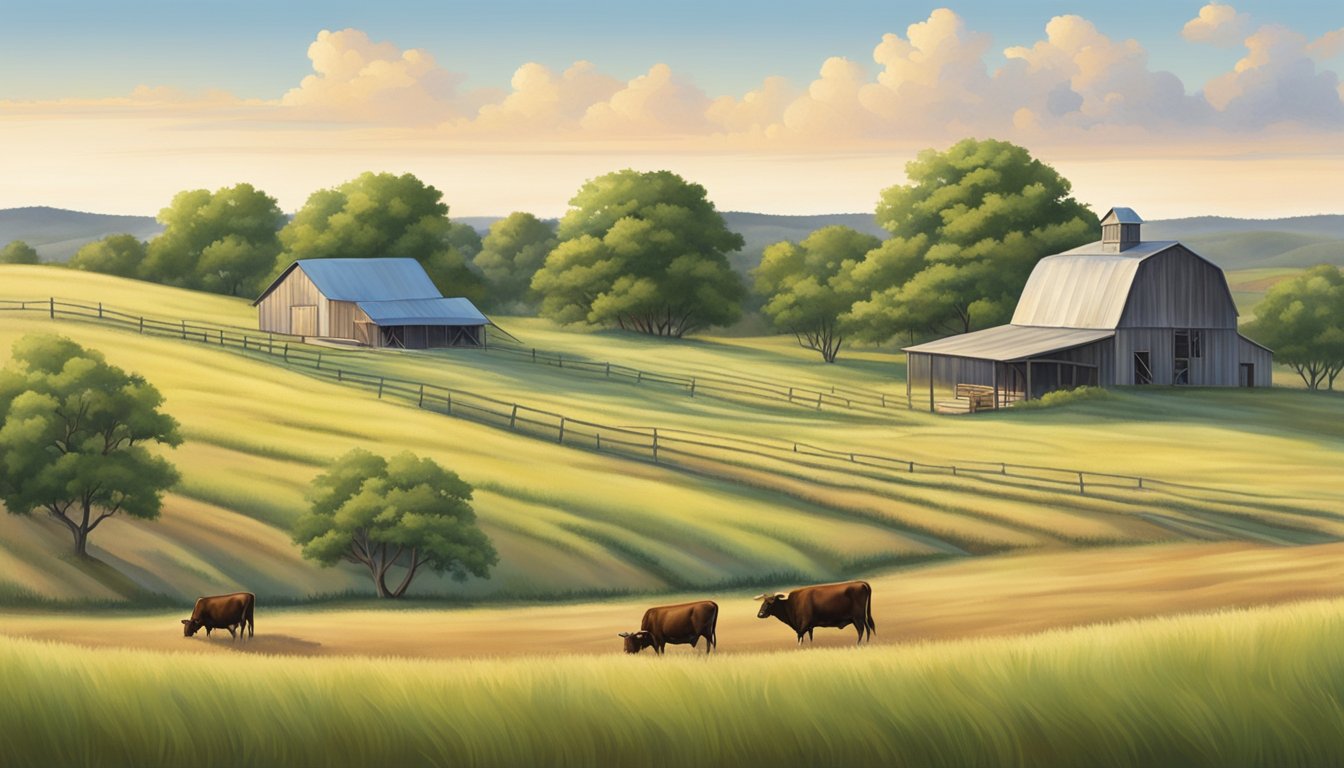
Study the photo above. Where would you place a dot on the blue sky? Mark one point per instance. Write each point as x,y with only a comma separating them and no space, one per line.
1174,108
256,49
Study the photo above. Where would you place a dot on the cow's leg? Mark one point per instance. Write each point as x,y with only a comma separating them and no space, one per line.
859,626
810,638
232,635
207,631
800,637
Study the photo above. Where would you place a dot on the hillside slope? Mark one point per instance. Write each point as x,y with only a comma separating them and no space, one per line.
1254,465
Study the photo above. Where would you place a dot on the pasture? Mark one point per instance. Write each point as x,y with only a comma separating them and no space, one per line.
1244,687
1257,466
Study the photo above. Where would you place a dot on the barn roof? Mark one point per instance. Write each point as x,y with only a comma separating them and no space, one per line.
1010,343
386,279
1121,216
423,312
1083,288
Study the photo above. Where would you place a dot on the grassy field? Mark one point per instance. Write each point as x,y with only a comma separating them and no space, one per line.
1263,466
1258,687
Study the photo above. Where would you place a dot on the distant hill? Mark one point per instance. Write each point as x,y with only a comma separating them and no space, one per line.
1231,243
57,233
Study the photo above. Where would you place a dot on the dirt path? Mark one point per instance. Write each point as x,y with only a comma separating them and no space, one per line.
984,597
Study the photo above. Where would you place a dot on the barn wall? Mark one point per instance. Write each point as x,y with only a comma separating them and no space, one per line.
1177,289
343,315
273,312
1261,358
1217,366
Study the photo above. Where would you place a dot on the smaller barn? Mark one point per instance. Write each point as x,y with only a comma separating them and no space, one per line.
374,302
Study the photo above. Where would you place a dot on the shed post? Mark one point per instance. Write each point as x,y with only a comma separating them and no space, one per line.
930,358
995,366
1027,396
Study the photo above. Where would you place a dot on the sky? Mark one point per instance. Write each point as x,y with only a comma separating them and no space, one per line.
1172,108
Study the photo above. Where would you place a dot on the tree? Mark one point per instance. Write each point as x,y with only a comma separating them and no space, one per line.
19,252
808,286
644,251
406,512
510,256
225,241
1302,320
966,233
73,437
119,255
384,215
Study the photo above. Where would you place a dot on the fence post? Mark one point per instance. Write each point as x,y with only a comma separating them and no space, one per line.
270,344
795,447
286,349
142,326
954,470
560,360
608,369
818,401
599,440
884,400
221,337
1081,488
692,386
655,445
639,377
1140,483
561,438
790,394
340,374
1003,469
184,330
421,404
245,348
319,359
100,310
380,387
513,417
448,401
912,467
52,307
534,354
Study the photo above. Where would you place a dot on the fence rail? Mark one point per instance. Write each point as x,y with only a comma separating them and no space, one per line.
645,443
716,385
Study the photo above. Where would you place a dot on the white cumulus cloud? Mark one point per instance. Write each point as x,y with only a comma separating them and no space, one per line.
1217,24
1277,81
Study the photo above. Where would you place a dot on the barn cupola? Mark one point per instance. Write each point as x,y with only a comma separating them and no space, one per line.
1119,230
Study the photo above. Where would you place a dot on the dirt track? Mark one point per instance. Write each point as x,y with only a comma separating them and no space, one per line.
984,597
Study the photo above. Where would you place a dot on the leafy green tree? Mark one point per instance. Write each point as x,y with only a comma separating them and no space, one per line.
119,255
74,432
966,233
1302,320
384,215
644,251
225,241
809,285
19,252
510,256
402,513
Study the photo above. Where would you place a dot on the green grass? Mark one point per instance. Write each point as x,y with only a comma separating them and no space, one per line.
568,521
1259,687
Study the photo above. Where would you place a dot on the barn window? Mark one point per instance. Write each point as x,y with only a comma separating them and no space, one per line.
1189,343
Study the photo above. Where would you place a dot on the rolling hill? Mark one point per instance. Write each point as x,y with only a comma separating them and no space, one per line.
731,500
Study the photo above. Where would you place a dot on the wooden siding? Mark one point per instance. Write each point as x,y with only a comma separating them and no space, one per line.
343,316
1261,358
1177,289
273,312
1215,367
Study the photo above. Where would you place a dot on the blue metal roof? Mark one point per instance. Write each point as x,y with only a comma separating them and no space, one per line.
438,311
369,279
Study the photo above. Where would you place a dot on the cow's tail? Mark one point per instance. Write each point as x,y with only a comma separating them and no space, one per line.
868,611
713,630
251,621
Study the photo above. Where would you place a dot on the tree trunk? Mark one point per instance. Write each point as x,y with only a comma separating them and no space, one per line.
81,542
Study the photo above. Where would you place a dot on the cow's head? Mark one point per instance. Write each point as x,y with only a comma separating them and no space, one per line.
771,605
190,627
636,641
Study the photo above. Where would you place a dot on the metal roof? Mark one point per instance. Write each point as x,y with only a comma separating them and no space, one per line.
438,311
1010,343
364,279
1122,216
1083,288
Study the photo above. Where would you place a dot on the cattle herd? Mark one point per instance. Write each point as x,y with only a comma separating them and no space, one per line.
805,609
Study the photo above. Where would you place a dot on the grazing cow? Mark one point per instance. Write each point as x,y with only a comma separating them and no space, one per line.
685,623
828,605
222,612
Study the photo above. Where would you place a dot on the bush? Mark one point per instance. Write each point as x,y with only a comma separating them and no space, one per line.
1065,397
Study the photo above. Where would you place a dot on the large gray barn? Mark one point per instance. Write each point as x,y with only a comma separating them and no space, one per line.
1121,311
376,302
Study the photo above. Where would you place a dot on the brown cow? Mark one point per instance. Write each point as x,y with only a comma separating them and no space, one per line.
222,612
685,623
828,605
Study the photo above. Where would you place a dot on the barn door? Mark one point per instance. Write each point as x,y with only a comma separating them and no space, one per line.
1143,370
303,320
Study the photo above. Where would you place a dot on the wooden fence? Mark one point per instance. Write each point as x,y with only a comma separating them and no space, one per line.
656,444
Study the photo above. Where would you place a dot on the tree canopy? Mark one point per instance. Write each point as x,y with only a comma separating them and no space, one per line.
965,234
119,255
73,437
19,252
378,215
510,256
1302,320
224,241
809,285
643,251
405,512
